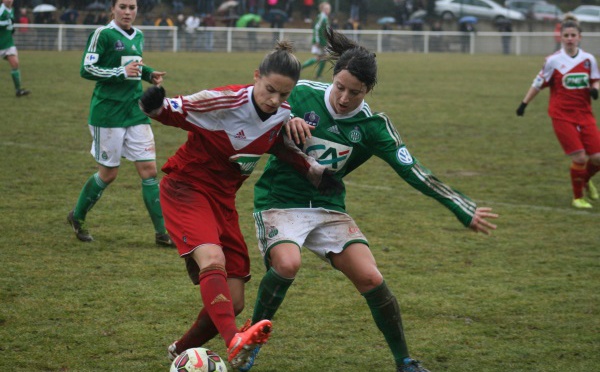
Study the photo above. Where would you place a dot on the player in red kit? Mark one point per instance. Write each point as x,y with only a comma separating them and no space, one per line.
573,77
229,129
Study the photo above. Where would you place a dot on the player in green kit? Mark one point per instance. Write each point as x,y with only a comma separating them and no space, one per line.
8,50
119,128
290,215
319,40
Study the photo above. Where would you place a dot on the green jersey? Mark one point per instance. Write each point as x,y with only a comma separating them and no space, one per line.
115,99
343,143
6,27
319,28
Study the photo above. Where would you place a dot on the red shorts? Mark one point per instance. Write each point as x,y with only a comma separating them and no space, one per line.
574,137
194,218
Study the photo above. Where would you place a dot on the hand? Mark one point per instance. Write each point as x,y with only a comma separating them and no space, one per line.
152,99
479,222
594,93
133,69
329,185
157,77
298,130
521,109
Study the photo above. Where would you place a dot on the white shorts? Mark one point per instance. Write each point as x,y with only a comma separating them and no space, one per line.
317,50
135,143
319,230
12,51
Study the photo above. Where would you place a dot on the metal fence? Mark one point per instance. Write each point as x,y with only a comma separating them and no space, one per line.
62,37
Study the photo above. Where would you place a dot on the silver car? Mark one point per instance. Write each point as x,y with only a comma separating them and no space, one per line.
587,13
484,9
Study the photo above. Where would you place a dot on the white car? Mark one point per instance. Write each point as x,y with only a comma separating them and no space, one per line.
484,9
587,13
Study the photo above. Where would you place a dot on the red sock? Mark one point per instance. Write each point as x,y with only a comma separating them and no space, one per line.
579,176
592,169
202,331
217,301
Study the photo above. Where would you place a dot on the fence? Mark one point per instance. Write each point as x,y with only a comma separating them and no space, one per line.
62,37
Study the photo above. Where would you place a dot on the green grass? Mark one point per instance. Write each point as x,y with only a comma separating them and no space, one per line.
525,299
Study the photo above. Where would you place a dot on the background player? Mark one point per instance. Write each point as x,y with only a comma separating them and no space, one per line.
572,75
319,40
113,58
289,215
229,129
8,50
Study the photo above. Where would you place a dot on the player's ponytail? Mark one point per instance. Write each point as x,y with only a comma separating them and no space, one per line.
348,55
281,60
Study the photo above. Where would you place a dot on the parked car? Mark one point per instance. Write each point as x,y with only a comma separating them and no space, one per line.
523,6
546,12
587,13
484,9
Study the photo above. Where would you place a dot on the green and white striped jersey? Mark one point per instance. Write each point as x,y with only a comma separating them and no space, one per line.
6,27
115,99
343,143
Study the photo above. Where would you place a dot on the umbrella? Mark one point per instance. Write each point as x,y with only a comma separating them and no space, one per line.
244,20
96,5
42,8
386,20
418,14
468,19
226,6
276,15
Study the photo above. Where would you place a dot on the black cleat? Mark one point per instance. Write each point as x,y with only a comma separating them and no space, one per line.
81,232
164,240
22,92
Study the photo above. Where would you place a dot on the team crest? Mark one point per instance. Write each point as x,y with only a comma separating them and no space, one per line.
104,155
273,232
355,135
312,118
586,64
119,46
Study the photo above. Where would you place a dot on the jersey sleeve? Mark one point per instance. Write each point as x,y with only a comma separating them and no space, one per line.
92,67
542,80
594,72
393,151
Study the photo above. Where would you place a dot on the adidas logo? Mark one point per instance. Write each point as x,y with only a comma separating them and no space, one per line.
334,129
220,298
240,135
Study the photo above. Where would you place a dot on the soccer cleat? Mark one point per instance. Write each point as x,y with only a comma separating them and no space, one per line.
411,365
164,240
22,92
244,342
592,191
581,203
81,232
250,363
172,351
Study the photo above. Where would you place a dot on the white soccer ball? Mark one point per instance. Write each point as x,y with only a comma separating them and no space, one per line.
198,359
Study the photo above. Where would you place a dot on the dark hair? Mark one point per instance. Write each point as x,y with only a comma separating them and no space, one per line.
569,20
282,61
348,55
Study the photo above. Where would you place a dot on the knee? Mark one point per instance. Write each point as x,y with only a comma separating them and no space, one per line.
238,307
595,159
287,268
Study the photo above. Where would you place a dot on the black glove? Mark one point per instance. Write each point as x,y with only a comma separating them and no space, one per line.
594,93
521,109
330,185
152,98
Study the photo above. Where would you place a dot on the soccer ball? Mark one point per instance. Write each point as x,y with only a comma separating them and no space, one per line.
198,359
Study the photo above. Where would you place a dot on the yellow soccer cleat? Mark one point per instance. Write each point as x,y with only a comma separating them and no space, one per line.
581,203
592,191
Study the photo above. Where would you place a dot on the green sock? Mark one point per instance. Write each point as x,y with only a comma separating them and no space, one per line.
16,76
271,292
89,195
320,68
309,62
386,313
150,194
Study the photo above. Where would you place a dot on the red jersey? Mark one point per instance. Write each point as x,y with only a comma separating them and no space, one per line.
569,79
225,141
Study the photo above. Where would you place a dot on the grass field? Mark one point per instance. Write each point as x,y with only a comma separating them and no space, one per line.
525,299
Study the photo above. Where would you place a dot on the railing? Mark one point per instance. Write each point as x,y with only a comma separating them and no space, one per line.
62,37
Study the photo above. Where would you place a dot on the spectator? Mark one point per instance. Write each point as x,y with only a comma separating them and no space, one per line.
23,19
178,6
191,25
163,36
467,28
307,6
90,19
207,35
505,26
69,17
101,19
